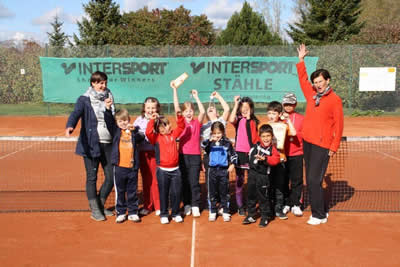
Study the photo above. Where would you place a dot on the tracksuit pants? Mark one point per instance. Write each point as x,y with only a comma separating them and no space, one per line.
278,183
316,161
151,196
92,167
218,188
190,166
294,177
259,189
169,186
126,181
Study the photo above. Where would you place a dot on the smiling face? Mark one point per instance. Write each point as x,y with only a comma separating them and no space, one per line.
245,110
289,108
266,138
217,134
123,124
150,108
320,84
99,86
188,114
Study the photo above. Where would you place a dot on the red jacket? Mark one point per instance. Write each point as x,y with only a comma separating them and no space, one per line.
294,144
323,124
166,149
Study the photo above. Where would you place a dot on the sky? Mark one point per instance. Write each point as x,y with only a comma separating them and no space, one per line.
30,19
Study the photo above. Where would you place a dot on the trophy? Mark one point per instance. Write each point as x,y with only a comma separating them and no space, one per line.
280,130
179,81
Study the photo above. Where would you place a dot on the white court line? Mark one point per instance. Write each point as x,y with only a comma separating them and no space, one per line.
193,243
390,156
12,153
56,150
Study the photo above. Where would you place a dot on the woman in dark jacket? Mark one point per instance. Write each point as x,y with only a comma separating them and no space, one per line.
95,141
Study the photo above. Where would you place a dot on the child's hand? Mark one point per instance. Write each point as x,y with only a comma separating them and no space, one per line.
154,116
195,93
215,94
213,137
172,84
260,158
236,99
108,102
231,167
130,127
68,131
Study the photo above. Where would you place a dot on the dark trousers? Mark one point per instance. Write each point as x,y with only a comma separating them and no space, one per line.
294,177
189,166
169,185
316,161
278,184
259,188
218,188
126,180
92,167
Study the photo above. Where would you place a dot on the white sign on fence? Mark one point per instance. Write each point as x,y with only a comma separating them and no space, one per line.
378,79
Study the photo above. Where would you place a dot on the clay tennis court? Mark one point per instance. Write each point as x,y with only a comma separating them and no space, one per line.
72,239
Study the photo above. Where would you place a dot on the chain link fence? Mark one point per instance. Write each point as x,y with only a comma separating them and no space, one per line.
20,73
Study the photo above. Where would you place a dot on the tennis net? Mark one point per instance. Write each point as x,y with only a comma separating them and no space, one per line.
44,174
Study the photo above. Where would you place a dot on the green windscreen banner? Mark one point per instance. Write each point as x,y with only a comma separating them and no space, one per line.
131,80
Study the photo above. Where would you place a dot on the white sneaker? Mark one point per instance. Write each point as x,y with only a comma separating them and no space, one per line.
177,219
227,217
220,211
144,212
187,210
164,220
196,211
296,210
212,217
316,221
158,212
286,209
134,218
120,218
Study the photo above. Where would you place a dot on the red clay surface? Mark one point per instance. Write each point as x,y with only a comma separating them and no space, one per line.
73,239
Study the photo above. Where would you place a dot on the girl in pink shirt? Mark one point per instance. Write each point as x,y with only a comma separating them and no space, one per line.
245,122
189,153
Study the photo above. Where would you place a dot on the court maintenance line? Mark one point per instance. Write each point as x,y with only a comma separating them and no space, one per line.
193,242
12,153
389,156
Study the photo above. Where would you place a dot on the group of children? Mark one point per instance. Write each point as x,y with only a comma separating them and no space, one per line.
170,161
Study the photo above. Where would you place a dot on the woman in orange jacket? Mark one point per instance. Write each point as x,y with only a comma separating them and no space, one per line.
322,131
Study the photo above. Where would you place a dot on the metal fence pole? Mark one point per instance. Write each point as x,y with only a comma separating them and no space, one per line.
349,94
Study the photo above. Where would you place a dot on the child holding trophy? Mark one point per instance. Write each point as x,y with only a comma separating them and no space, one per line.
189,150
281,130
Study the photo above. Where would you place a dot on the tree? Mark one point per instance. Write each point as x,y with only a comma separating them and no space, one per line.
161,27
326,22
382,23
102,25
57,38
248,28
272,11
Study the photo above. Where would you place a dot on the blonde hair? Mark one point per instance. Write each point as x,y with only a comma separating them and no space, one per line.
122,114
186,105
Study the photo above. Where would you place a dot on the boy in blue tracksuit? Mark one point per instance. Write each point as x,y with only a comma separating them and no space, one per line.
221,161
125,164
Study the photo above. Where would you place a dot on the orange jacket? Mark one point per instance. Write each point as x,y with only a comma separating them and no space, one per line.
323,124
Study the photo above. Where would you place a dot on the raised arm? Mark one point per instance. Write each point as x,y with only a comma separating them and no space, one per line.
302,52
224,105
176,101
202,111
232,117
